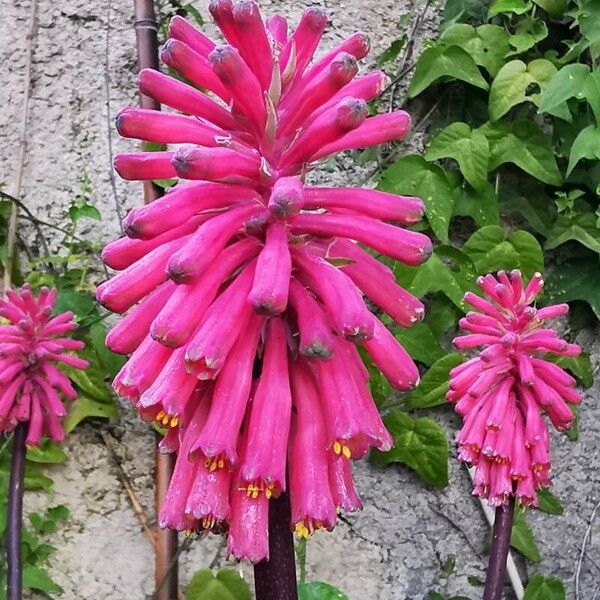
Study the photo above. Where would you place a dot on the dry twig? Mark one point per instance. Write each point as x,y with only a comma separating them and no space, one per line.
586,537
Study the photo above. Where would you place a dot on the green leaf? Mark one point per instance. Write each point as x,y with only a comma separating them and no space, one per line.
420,443
517,7
580,366
469,148
35,578
225,584
47,452
577,279
591,92
487,44
316,590
413,175
77,212
481,206
191,10
441,314
492,250
522,538
527,34
580,227
85,407
513,85
434,276
544,588
555,8
69,299
90,381
565,84
524,144
549,502
110,361
588,19
60,512
439,62
586,145
434,384
420,342
391,53
35,479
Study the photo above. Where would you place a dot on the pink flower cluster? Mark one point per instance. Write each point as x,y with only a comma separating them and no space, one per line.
29,381
503,392
245,285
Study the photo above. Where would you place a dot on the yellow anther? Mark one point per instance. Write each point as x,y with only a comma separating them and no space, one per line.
161,415
188,533
174,421
268,493
337,447
166,419
346,452
221,463
301,530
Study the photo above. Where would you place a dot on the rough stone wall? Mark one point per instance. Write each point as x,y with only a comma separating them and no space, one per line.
83,73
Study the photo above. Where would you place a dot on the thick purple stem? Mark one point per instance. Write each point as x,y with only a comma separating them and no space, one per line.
496,573
275,579
14,517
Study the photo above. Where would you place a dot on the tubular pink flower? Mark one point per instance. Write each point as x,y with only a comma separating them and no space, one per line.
263,467
372,203
302,44
316,337
145,165
503,393
216,164
244,286
177,207
313,507
375,130
130,332
189,261
218,438
269,292
187,304
241,83
409,247
193,66
165,128
221,325
340,297
377,284
30,384
180,29
287,197
184,97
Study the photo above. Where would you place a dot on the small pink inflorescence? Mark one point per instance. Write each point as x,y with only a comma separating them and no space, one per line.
503,392
29,348
244,285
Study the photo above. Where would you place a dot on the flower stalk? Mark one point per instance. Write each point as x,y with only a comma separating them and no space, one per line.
496,572
275,579
14,515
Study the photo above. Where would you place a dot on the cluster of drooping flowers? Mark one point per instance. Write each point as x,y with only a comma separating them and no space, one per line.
30,383
245,285
503,392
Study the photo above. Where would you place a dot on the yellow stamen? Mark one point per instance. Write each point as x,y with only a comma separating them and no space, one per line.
212,463
339,448
160,416
174,421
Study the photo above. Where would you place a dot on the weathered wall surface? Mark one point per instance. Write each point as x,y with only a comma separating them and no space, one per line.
83,73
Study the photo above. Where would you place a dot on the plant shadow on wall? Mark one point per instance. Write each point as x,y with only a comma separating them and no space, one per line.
73,268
